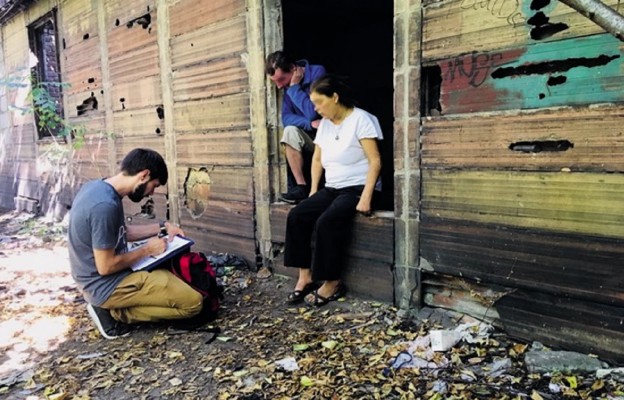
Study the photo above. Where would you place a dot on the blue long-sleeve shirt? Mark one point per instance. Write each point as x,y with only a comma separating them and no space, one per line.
297,108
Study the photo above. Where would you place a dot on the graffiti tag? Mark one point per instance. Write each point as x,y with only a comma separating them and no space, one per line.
506,9
475,67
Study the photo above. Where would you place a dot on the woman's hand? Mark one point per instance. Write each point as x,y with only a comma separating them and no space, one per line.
364,207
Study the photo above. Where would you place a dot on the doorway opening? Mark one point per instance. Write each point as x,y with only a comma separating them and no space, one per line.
352,38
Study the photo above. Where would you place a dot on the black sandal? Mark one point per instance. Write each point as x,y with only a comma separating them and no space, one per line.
297,296
320,301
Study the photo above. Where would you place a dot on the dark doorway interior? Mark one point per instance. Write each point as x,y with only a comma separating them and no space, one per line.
352,38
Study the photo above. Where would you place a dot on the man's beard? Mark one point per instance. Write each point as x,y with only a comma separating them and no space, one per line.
139,193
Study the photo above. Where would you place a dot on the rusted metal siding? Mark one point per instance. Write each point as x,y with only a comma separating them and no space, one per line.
212,124
528,200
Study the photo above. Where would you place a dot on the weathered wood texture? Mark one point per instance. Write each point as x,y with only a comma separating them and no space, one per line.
459,26
597,135
211,117
191,15
561,321
495,210
569,265
576,203
568,72
370,254
573,324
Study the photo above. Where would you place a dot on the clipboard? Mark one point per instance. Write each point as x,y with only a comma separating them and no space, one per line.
178,245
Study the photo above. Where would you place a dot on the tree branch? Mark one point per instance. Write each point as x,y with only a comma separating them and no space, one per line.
601,14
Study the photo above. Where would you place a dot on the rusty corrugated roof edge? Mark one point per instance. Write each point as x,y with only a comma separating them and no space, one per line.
10,8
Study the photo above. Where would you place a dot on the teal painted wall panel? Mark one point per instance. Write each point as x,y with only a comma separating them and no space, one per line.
578,71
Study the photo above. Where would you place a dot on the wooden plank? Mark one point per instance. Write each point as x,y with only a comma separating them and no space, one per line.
596,134
81,55
224,113
208,241
226,185
189,15
128,38
216,78
120,12
123,145
372,238
79,19
560,322
143,122
484,26
135,65
214,41
557,263
137,93
365,279
568,72
584,203
222,148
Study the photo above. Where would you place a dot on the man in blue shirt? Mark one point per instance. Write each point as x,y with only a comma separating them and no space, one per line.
299,118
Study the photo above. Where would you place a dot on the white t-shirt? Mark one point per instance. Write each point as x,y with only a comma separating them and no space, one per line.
342,155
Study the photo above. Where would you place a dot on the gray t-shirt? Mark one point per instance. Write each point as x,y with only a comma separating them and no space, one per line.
96,221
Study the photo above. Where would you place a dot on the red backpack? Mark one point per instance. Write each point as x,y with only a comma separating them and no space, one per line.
195,269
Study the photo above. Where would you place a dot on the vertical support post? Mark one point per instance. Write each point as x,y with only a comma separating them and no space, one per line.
258,126
407,49
273,40
106,84
166,81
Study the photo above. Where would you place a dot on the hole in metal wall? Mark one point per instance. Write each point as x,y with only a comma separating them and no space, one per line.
85,36
160,112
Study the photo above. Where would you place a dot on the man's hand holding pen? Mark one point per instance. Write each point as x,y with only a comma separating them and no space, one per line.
155,246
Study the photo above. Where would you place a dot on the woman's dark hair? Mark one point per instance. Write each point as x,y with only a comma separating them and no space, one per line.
329,84
278,59
139,159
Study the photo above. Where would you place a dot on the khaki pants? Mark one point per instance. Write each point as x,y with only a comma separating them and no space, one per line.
153,296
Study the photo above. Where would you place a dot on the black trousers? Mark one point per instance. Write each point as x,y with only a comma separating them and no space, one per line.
325,218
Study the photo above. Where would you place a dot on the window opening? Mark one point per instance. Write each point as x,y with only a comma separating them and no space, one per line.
46,76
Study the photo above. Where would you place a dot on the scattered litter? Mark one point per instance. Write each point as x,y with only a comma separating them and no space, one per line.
89,356
287,364
443,340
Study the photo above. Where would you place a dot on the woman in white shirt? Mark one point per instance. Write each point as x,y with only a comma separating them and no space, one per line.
346,150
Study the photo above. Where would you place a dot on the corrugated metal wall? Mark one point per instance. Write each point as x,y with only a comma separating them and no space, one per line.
495,209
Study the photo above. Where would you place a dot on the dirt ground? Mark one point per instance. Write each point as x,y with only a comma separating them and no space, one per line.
350,349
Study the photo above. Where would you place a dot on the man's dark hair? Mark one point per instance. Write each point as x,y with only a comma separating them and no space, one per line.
329,84
139,159
278,59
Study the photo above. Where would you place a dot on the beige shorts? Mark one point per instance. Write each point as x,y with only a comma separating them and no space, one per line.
297,138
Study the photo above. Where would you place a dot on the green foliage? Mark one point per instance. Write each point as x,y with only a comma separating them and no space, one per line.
46,110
